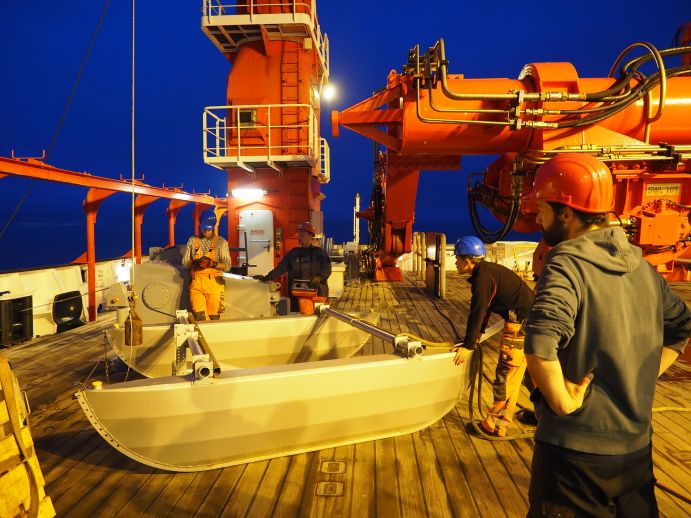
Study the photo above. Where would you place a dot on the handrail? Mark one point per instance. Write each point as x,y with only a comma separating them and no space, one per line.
219,8
325,161
259,138
252,8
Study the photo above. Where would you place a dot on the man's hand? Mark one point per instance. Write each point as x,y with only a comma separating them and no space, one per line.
206,262
261,278
462,354
577,391
315,281
563,396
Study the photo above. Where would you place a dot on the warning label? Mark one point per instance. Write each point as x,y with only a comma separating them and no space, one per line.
662,189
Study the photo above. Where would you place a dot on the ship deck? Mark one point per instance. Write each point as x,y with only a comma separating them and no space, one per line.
439,471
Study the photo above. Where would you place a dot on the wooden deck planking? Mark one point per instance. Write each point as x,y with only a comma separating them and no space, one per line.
331,506
412,490
439,471
291,493
387,489
447,463
244,493
362,497
433,483
481,494
222,485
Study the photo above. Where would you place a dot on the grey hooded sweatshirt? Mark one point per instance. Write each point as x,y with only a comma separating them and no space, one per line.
600,308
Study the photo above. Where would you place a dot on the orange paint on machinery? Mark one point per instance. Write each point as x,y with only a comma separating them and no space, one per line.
479,127
636,122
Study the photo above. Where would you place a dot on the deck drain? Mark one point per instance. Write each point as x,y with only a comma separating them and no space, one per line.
333,467
329,488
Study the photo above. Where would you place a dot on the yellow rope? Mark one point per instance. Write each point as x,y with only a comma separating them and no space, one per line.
428,343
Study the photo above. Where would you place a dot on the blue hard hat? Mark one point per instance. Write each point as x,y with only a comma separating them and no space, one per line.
470,245
207,219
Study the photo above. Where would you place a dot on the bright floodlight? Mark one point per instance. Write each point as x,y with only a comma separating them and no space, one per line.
248,195
328,92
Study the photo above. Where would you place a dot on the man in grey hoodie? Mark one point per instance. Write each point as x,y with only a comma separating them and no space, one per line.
603,327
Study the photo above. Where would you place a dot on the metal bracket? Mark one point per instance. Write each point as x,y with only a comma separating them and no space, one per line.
407,348
186,336
320,306
203,370
181,333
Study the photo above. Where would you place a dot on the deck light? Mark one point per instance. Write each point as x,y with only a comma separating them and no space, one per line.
328,92
248,195
122,271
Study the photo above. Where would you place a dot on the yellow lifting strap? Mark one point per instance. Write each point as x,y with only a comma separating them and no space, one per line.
427,343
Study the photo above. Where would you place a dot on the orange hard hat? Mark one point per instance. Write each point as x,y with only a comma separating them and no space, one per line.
307,227
581,182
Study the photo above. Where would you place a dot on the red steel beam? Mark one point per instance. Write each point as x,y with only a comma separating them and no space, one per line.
33,168
99,189
92,201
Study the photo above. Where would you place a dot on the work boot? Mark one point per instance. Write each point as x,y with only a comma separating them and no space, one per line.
483,432
495,424
199,315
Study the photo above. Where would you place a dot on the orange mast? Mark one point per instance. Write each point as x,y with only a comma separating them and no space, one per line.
267,136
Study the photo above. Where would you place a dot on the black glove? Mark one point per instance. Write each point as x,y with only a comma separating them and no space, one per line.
316,280
261,278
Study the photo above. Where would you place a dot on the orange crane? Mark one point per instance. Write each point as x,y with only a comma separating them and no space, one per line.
635,120
266,138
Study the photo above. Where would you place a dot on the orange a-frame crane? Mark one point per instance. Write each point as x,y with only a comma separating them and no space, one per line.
267,136
636,120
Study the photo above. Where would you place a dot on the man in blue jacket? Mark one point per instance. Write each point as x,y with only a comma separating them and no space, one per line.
604,325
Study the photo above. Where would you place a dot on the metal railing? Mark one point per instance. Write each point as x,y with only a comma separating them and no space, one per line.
260,133
292,8
254,7
325,162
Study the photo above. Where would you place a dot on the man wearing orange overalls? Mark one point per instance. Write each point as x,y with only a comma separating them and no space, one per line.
208,257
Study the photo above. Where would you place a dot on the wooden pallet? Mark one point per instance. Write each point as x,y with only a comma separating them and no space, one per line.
21,481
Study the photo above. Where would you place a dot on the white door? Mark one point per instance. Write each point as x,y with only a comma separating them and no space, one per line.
257,226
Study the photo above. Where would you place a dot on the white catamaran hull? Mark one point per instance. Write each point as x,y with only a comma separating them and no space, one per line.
248,343
247,415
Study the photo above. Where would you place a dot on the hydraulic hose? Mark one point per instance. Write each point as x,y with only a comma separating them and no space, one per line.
615,98
476,363
514,212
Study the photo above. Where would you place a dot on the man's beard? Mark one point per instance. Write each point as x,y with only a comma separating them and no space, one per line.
555,233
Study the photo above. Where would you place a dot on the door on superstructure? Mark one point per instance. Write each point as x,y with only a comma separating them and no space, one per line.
257,230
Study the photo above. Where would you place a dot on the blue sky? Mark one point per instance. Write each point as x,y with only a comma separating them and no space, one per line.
179,72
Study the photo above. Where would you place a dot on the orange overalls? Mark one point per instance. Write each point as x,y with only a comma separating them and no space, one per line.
508,378
207,287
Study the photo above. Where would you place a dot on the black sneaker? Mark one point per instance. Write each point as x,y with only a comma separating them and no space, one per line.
526,416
